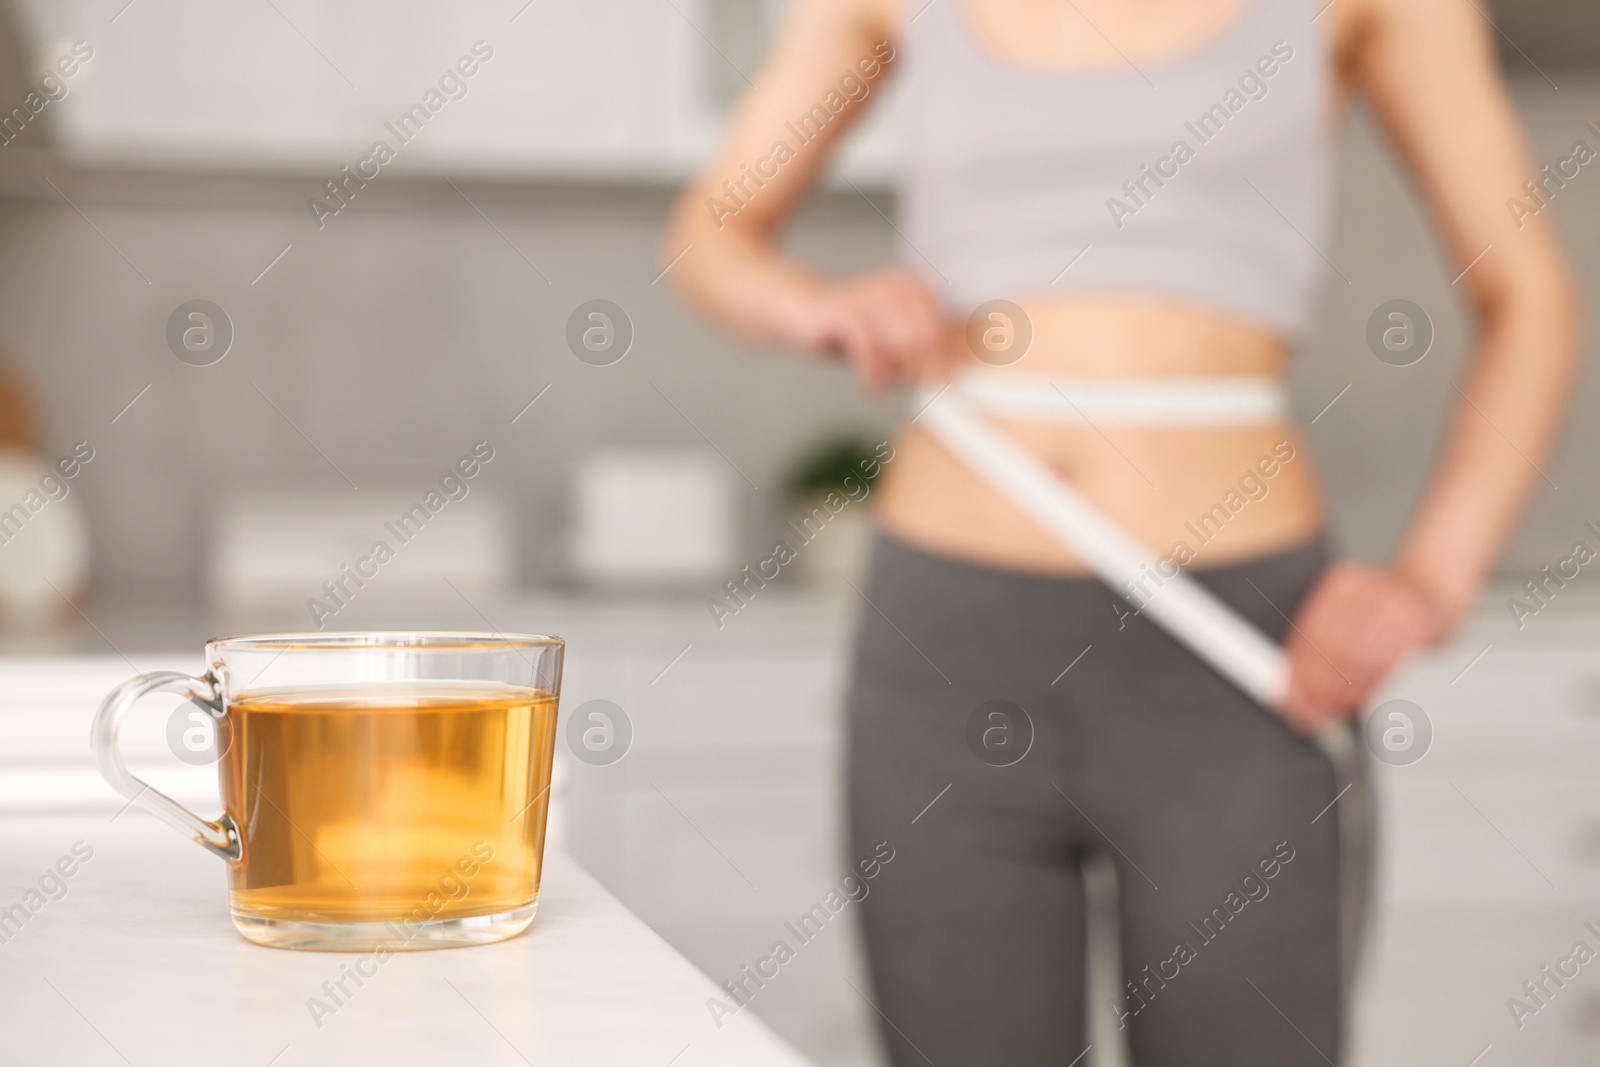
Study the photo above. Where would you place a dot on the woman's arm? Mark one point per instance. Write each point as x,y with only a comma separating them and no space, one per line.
1431,75
827,64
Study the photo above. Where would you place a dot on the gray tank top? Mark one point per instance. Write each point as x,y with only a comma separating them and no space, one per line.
1203,177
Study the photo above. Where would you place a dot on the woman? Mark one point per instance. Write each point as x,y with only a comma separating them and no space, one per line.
1145,182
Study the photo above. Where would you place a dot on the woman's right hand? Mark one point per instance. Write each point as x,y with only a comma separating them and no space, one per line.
888,325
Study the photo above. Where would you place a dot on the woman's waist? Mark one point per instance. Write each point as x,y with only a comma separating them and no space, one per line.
1225,493
1158,419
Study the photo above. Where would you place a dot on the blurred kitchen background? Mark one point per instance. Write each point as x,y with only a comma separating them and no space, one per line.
363,354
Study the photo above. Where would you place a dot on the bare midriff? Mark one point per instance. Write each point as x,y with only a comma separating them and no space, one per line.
1203,488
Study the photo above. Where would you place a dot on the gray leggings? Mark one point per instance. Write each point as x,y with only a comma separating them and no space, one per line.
994,754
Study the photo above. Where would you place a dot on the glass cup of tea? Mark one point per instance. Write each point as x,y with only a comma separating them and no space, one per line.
379,790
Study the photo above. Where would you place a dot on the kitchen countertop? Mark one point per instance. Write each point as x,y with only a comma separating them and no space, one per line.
138,964
138,622
131,625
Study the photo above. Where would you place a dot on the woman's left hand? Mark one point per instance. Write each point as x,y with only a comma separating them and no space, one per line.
1356,624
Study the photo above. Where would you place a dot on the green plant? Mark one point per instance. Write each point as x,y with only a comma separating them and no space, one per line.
825,466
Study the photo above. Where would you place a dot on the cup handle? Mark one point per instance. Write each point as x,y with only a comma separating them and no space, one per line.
220,837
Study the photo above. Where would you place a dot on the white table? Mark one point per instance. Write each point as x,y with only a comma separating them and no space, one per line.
139,964
51,795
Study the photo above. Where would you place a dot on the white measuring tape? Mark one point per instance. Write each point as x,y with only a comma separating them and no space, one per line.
1127,401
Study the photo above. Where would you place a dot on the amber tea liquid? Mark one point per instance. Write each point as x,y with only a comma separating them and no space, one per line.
398,804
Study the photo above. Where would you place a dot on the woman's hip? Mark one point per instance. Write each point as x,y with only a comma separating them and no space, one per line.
961,670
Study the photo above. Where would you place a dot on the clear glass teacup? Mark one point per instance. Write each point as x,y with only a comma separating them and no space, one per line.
378,789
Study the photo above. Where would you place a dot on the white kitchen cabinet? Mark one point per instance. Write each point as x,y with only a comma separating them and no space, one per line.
619,90
1489,854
